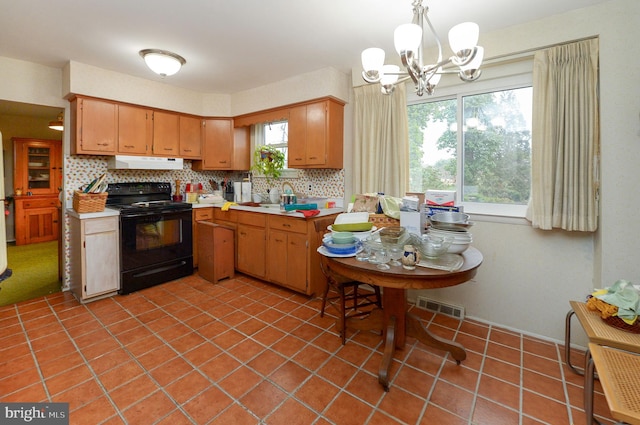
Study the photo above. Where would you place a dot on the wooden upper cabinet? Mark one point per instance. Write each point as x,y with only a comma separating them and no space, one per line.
217,145
316,135
190,137
166,134
94,126
135,130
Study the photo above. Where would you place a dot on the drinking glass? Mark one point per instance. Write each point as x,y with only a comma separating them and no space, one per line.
383,256
395,253
365,253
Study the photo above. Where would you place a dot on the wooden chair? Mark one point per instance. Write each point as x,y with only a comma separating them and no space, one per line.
347,299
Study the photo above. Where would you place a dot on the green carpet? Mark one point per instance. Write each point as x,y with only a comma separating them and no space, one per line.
35,272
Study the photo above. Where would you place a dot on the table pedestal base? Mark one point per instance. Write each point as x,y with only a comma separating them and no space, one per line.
414,328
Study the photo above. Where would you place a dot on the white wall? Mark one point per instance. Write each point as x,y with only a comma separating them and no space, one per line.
528,276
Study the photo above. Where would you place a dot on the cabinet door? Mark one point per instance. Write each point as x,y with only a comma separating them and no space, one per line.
287,259
41,224
218,144
308,135
102,266
251,257
94,127
38,166
297,137
199,214
166,134
135,130
316,135
297,255
190,137
316,145
277,257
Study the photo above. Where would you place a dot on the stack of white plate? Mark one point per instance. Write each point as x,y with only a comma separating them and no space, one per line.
461,239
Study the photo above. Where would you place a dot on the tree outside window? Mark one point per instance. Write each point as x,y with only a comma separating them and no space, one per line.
489,132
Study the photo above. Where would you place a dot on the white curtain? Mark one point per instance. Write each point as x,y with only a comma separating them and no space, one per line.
565,138
381,148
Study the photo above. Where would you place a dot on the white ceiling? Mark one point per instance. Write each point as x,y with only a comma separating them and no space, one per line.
234,45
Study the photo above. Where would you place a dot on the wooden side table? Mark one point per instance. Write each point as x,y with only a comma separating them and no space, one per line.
598,332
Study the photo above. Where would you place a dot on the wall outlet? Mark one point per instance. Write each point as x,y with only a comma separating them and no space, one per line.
309,187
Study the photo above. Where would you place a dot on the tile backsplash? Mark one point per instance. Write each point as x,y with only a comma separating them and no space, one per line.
82,169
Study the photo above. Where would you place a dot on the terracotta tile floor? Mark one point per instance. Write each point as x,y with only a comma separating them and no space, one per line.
245,352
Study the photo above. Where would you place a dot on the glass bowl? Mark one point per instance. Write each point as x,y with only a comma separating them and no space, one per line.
434,246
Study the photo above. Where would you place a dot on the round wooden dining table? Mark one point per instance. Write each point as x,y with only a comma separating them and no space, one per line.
394,321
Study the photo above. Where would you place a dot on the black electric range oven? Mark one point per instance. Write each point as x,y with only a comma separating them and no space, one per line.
155,235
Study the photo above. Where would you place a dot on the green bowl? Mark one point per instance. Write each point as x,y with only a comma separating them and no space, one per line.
342,238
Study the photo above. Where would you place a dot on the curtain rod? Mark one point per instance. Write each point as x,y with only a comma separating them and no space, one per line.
531,51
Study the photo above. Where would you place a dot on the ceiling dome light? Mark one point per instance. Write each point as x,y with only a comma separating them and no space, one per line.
162,62
57,124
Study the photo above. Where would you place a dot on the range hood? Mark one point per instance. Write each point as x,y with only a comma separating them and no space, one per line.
127,162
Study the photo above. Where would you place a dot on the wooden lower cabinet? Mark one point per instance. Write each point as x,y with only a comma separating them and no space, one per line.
276,248
95,262
199,214
216,251
251,243
36,219
287,255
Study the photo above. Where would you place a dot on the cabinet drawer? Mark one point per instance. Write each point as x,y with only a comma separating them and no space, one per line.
231,215
253,219
288,224
40,203
203,214
100,225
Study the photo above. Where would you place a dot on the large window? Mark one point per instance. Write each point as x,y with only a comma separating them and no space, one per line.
477,144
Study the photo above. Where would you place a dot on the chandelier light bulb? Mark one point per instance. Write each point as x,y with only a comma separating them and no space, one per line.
464,37
407,38
372,61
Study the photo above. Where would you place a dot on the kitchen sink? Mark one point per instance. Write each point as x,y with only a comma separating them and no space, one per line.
270,206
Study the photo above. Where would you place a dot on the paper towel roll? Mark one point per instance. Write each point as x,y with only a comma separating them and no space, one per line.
237,191
246,191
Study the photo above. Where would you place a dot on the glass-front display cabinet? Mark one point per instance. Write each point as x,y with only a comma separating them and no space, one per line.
37,166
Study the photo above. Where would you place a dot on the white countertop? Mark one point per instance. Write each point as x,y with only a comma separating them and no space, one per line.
272,210
108,212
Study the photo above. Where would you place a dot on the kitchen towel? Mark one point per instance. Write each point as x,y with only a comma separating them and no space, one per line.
309,213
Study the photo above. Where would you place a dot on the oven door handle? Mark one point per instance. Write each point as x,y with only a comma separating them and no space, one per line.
161,269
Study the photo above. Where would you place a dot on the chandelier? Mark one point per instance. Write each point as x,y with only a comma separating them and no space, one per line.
409,40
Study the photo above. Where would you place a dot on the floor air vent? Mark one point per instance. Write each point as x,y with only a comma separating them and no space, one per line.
439,307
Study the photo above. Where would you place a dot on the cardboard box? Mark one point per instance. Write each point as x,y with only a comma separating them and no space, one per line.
413,221
432,209
410,203
445,198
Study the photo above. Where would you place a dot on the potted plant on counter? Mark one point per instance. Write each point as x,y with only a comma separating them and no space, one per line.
269,162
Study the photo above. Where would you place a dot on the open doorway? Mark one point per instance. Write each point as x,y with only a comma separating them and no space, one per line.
35,267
